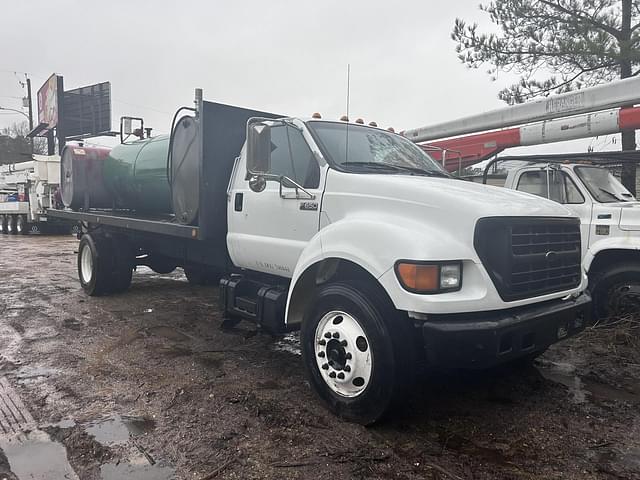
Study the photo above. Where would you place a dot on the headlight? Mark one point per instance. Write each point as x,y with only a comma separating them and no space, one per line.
429,277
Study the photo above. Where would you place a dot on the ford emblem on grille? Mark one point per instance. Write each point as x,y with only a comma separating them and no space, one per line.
551,256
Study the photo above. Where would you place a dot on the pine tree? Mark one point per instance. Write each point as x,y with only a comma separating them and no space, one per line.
556,46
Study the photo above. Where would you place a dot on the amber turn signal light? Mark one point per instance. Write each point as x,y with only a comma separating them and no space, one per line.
418,278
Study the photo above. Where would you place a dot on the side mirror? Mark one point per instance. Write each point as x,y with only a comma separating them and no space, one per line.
127,128
258,147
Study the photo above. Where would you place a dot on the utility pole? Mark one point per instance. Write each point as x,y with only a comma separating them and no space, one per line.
30,106
30,103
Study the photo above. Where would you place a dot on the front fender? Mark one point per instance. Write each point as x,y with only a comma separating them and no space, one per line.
375,245
614,243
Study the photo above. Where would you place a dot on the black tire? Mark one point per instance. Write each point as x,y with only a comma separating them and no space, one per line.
390,341
106,269
3,223
160,264
22,226
11,224
616,291
200,276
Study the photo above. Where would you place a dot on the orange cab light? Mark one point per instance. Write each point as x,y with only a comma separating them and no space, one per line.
420,278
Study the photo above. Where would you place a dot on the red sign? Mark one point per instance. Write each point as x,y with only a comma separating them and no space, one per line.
48,97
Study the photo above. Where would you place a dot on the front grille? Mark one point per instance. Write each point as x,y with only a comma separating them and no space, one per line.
527,257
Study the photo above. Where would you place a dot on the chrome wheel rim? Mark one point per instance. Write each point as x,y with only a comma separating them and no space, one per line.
86,265
343,354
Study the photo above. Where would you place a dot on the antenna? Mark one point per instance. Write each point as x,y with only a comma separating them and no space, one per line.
346,153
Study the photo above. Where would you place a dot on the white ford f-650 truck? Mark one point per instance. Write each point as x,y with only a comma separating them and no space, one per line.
609,217
347,232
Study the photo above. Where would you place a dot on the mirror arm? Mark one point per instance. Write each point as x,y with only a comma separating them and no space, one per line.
296,185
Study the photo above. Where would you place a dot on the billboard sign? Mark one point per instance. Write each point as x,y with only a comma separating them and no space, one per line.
48,101
87,110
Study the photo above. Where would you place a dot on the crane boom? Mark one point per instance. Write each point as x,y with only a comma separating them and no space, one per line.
459,152
621,93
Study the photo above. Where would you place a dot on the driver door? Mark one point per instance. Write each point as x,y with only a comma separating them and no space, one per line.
270,220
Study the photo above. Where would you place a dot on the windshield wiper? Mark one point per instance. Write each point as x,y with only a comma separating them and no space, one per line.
612,194
398,168
376,165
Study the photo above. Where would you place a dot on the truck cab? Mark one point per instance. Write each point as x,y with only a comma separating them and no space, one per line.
610,226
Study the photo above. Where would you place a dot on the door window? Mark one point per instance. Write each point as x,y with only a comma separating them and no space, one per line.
561,187
292,157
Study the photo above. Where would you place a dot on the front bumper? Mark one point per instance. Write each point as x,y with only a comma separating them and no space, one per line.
481,340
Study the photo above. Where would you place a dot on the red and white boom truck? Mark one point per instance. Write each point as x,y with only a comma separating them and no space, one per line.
609,213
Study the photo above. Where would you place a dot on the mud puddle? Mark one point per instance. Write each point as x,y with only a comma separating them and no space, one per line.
117,429
584,389
35,456
290,343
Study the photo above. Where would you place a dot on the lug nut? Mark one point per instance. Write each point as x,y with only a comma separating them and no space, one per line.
348,356
322,342
343,343
332,374
325,366
327,335
336,335
321,354
341,376
347,368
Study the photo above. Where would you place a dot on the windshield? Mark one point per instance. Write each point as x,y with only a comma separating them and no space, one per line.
356,148
604,187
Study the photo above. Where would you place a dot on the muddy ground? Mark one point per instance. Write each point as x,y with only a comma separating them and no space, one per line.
147,385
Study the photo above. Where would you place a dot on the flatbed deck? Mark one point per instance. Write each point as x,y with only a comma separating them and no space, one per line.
130,221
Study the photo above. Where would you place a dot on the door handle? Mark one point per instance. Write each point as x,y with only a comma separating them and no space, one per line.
237,202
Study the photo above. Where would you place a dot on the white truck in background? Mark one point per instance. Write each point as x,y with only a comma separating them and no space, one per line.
609,217
27,190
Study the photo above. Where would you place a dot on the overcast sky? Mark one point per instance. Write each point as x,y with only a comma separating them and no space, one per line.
281,56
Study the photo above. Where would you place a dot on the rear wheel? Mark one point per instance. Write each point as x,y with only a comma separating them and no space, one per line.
160,264
11,224
200,276
103,267
616,291
3,223
357,350
22,226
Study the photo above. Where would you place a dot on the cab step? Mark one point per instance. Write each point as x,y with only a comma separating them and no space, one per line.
259,302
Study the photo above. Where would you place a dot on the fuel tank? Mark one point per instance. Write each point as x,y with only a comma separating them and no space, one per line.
135,176
135,173
81,177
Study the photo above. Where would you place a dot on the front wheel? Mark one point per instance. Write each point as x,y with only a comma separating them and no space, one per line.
616,291
357,351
